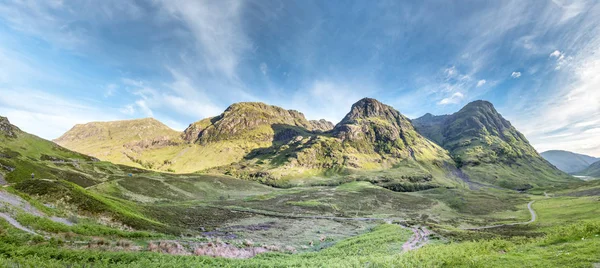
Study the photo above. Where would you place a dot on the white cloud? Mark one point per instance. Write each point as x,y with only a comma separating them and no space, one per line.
481,82
455,98
561,59
555,54
515,74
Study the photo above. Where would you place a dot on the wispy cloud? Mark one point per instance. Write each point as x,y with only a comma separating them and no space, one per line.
455,98
216,28
481,82
515,74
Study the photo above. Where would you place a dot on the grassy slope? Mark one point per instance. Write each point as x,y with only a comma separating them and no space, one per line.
592,171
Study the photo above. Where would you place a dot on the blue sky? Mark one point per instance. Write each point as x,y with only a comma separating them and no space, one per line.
69,62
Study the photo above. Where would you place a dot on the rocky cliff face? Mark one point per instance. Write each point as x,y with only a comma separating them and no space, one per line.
321,125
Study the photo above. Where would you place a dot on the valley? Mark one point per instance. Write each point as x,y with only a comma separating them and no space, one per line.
262,186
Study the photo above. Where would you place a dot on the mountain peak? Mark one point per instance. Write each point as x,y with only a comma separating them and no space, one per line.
480,105
248,120
368,108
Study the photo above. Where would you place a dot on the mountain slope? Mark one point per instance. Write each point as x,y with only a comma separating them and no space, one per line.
591,171
126,142
568,161
22,154
372,136
488,148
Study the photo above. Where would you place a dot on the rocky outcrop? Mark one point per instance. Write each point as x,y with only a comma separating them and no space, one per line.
8,129
253,121
321,125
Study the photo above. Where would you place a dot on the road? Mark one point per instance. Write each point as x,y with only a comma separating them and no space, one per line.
533,218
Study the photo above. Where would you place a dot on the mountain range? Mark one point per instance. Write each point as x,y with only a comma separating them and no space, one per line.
569,162
271,144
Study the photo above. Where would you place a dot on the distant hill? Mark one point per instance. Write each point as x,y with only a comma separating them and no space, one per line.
568,161
488,148
591,171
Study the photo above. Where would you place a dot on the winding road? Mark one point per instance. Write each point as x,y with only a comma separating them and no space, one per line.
533,218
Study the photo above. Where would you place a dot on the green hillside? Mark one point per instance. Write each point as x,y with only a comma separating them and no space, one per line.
591,171
488,148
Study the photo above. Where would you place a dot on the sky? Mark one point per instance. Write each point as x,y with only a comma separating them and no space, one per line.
69,62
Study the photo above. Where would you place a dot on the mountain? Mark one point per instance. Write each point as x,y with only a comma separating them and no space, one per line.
373,127
591,171
568,161
488,148
251,121
208,143
371,137
128,142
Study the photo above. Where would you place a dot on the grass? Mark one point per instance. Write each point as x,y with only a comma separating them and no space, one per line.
87,229
566,210
562,246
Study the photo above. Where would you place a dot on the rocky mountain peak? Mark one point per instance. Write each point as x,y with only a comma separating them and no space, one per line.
367,108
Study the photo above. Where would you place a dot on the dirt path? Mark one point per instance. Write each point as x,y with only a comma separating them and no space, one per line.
531,211
14,201
420,238
15,223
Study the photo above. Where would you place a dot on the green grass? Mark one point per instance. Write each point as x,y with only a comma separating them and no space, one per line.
566,210
563,246
87,229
